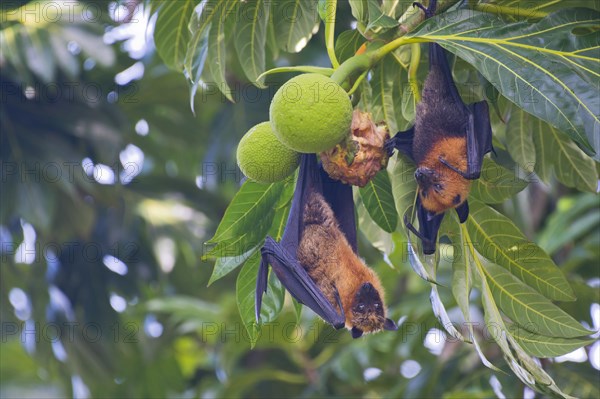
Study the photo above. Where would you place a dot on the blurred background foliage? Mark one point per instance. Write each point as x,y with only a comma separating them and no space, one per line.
111,185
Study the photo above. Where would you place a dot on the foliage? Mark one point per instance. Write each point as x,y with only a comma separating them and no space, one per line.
119,241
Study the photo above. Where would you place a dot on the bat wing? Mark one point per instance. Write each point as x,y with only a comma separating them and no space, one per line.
463,211
339,197
429,225
299,284
403,142
479,138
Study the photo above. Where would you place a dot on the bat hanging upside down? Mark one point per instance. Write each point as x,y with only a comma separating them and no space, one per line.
316,260
338,272
447,143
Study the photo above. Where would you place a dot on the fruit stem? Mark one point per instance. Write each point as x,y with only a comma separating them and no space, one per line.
413,68
363,62
357,83
330,12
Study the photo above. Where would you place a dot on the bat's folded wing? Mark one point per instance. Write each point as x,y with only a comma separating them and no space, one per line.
479,138
297,281
429,225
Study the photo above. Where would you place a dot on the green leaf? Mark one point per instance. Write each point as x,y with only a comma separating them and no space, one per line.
247,219
253,202
379,201
384,79
496,184
245,289
575,217
528,308
543,68
199,27
523,366
225,265
250,38
347,43
377,18
556,152
543,346
272,299
246,295
462,283
372,232
171,33
360,10
404,187
498,239
217,50
295,23
519,139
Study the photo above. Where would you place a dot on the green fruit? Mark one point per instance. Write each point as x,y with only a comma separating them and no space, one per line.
311,113
262,157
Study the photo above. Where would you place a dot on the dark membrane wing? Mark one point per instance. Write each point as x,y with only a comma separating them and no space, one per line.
479,138
339,196
463,211
309,178
299,284
429,225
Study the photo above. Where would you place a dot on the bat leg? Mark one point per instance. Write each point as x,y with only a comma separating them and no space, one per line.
298,283
429,225
463,211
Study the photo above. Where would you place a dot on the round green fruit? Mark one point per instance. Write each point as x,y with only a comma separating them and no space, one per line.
262,157
311,113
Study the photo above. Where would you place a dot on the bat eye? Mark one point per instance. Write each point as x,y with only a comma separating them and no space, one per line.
377,305
437,186
361,306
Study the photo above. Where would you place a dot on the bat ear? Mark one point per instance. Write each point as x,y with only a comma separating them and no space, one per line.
356,332
389,325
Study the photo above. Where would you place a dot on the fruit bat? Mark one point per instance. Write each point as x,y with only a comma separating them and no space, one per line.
317,261
447,143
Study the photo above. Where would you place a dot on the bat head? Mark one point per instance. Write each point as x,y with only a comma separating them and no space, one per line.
368,312
441,189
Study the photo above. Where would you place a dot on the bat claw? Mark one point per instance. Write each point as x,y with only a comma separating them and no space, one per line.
429,11
390,146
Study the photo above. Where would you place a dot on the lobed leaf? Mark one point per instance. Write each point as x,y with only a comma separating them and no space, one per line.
556,152
295,23
383,82
543,346
217,49
227,264
250,38
496,184
528,308
245,289
519,139
347,44
247,219
171,33
499,240
574,218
